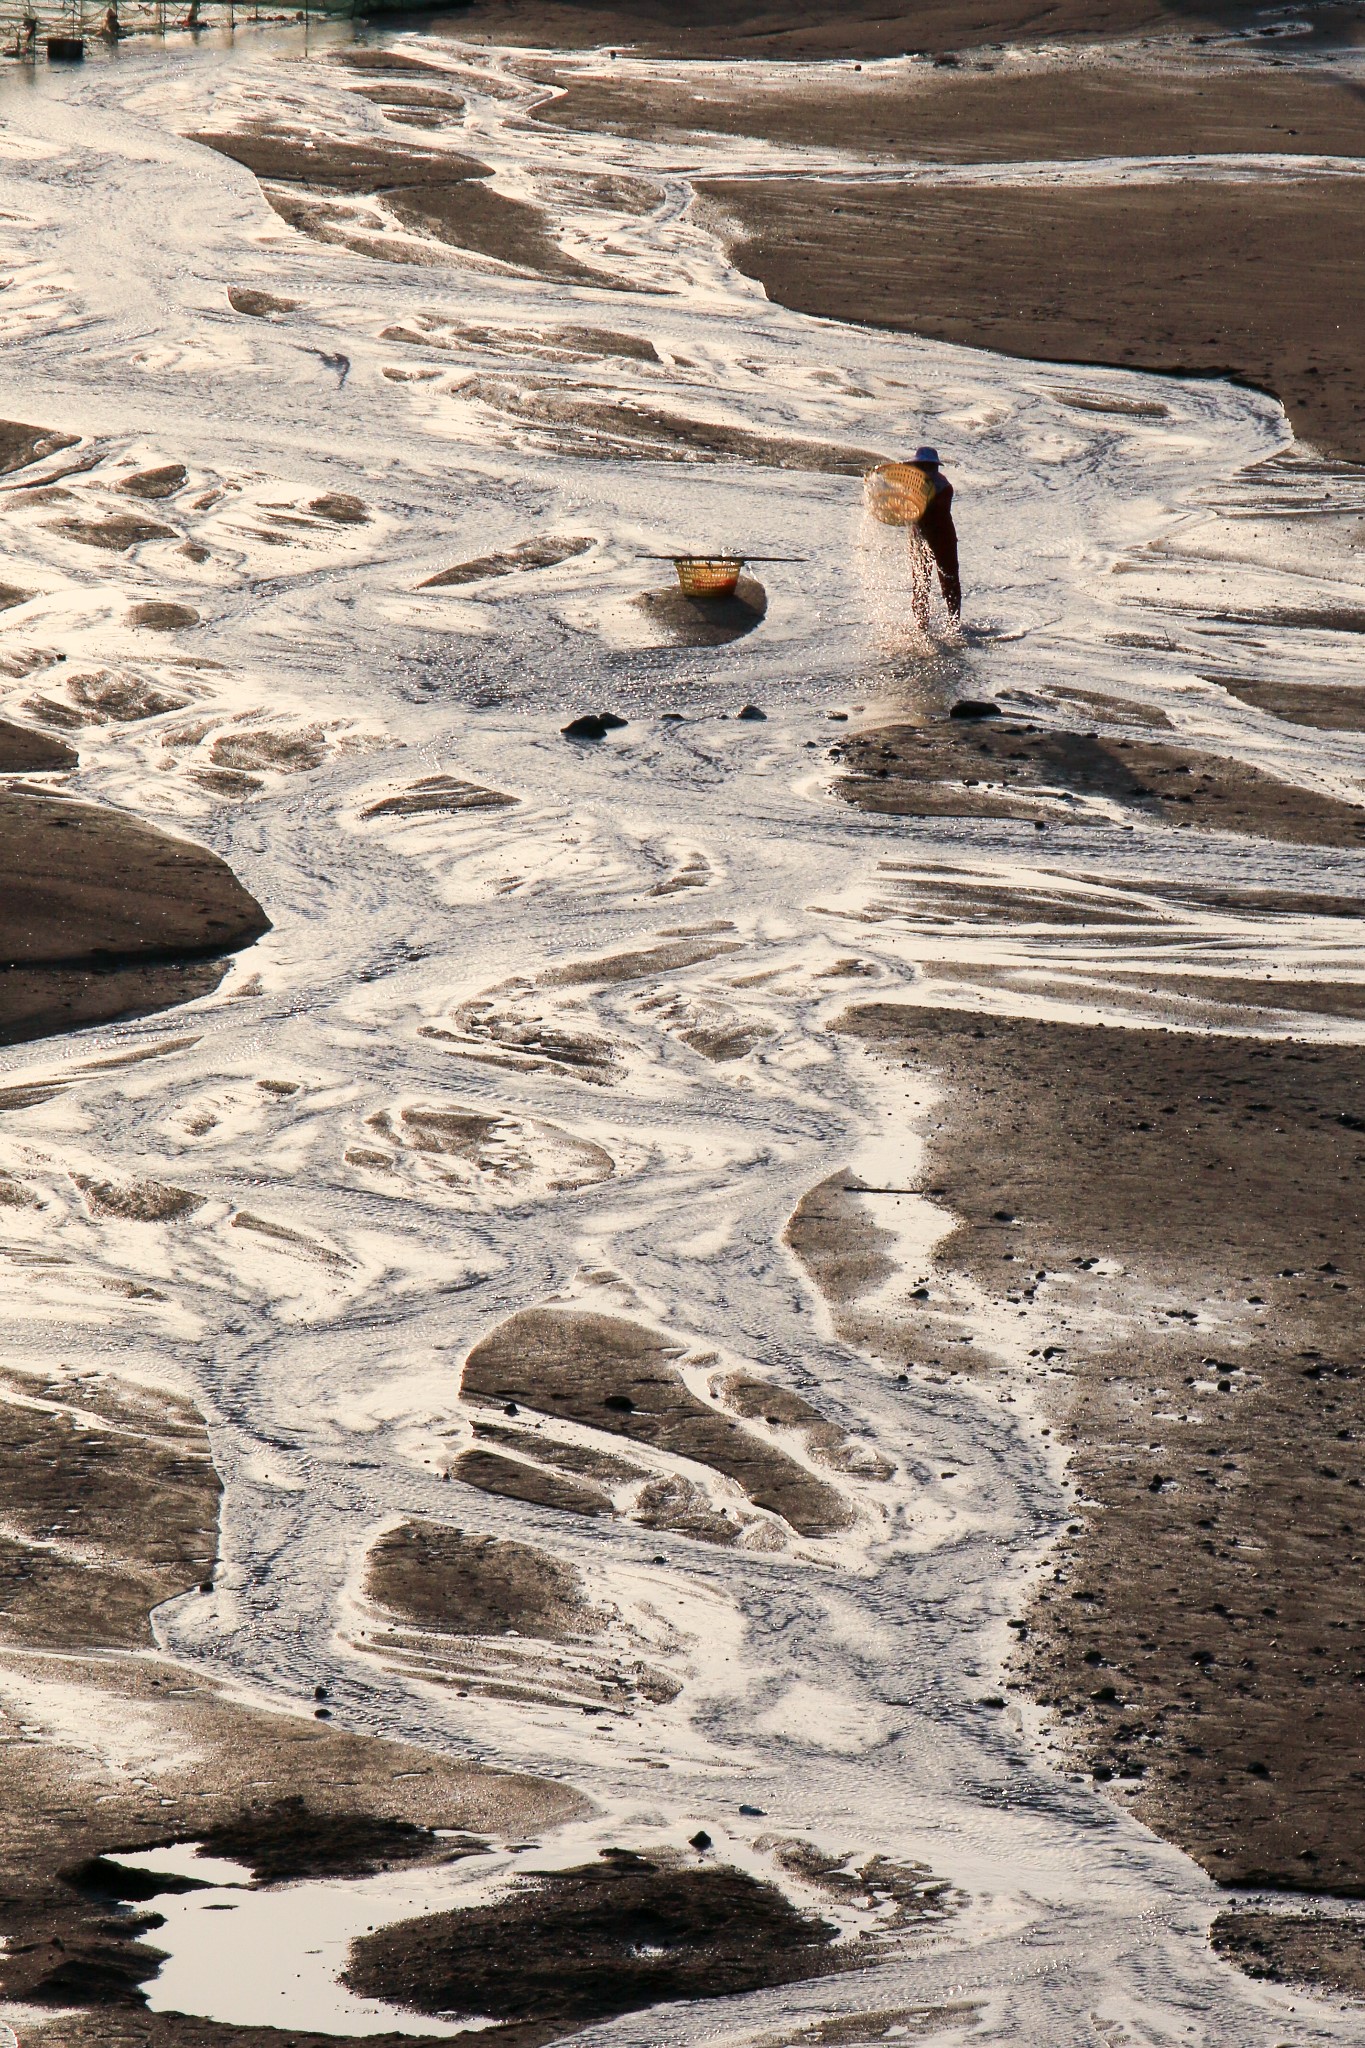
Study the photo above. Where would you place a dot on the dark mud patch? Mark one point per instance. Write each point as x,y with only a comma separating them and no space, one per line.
555,344
117,534
436,794
848,1255
24,752
89,884
546,551
21,445
1315,1950
103,917
611,970
446,1579
108,696
390,63
160,615
705,621
111,1506
1119,710
163,482
807,28
574,1947
289,1839
1186,1209
137,1201
438,193
471,216
1271,994
989,117
576,1458
288,753
289,156
44,1002
116,2027
258,305
340,508
1322,706
1261,902
415,106
514,1479
618,1376
1000,770
1252,280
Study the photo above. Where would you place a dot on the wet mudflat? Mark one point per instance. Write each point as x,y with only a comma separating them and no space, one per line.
582,1413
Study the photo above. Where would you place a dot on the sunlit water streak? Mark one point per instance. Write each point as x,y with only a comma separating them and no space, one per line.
835,1684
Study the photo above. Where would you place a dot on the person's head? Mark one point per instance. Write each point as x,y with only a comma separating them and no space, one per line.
924,458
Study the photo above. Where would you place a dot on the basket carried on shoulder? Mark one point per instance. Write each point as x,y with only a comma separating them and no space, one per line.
708,575
898,493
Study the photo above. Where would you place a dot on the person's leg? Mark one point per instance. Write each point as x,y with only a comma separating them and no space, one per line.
921,579
942,538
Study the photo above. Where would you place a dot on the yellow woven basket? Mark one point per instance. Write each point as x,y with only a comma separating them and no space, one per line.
708,575
898,493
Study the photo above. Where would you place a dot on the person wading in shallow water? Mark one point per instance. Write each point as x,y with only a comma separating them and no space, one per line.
917,495
935,528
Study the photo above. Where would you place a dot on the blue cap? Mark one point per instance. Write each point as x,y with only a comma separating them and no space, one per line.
926,455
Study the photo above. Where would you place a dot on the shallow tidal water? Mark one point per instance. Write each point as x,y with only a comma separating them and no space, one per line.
320,1301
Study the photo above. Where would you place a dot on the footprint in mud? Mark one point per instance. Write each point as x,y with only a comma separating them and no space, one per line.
505,1620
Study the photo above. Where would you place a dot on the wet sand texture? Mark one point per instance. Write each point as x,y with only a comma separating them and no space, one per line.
809,28
980,769
1319,1952
1216,1439
105,917
618,1376
583,1945
1256,281
467,1585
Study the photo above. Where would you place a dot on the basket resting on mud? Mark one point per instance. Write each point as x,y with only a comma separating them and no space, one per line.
714,575
898,493
708,575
